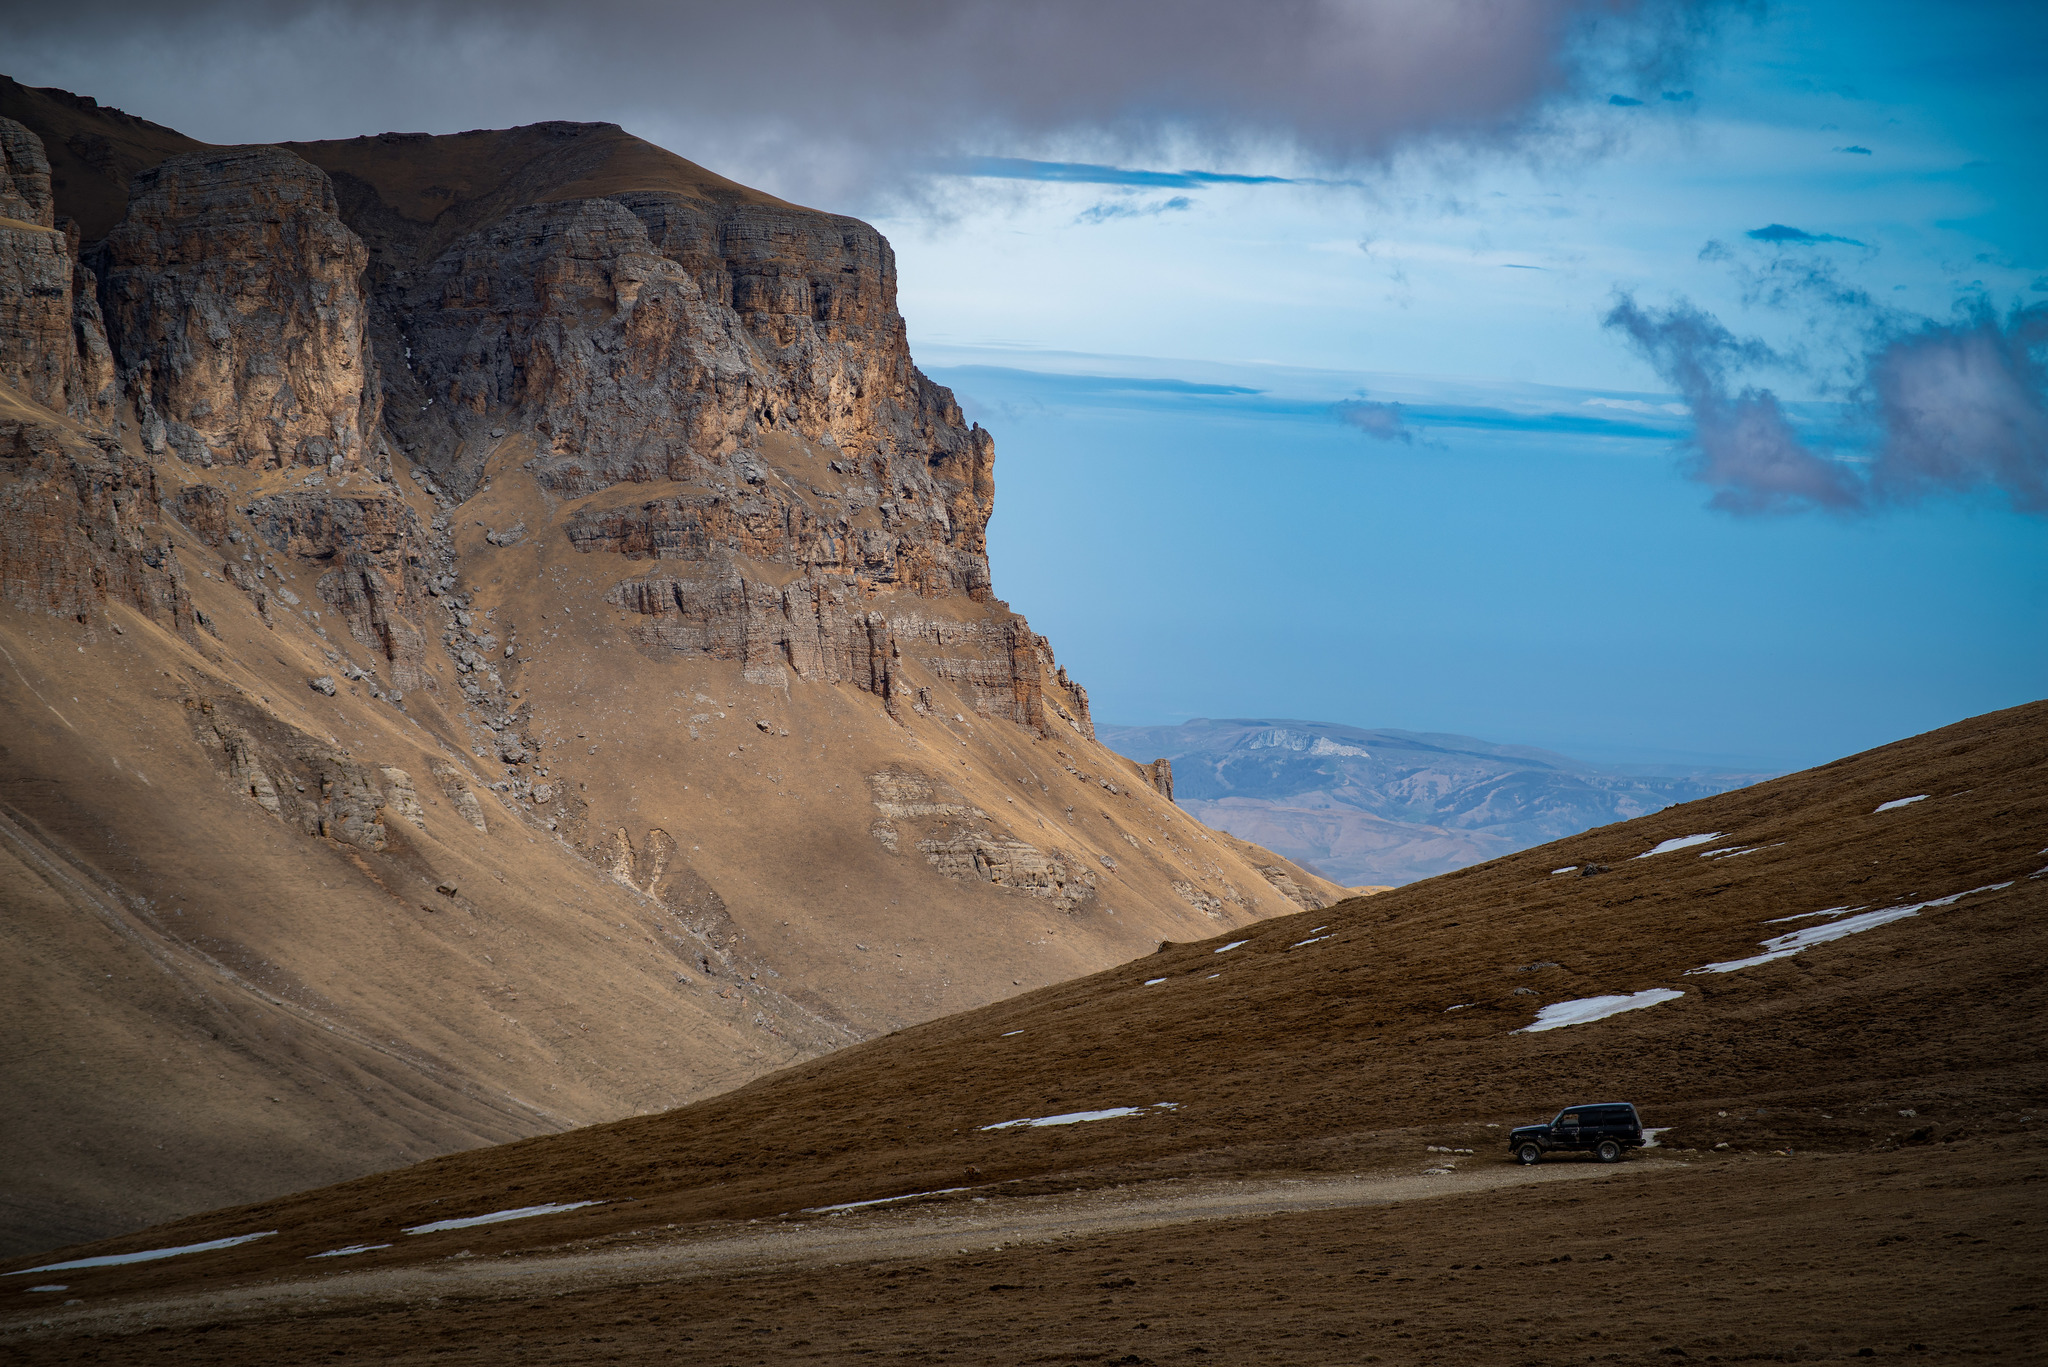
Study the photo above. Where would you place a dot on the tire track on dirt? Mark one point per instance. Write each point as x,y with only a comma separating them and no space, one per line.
936,1230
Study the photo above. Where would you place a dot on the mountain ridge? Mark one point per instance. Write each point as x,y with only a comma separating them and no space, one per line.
1387,806
509,666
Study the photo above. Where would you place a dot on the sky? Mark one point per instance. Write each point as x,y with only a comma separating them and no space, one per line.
1650,381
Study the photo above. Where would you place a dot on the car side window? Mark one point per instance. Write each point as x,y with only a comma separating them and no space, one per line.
1568,1118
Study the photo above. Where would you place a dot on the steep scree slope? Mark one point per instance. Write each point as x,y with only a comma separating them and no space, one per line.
497,636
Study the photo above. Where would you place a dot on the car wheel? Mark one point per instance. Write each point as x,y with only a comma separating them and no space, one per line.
1528,1154
1608,1151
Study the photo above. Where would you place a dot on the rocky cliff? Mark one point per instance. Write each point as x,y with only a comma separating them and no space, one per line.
236,317
53,346
501,636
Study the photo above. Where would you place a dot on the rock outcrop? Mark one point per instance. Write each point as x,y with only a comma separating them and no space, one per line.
234,309
502,620
80,526
321,790
25,177
53,347
381,557
1158,773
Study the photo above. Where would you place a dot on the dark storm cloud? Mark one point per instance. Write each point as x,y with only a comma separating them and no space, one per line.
1089,173
1959,407
1742,444
1965,406
838,97
1103,213
1380,421
1781,233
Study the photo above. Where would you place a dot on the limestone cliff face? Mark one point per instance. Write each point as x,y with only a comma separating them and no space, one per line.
233,306
748,358
505,619
79,517
381,557
25,192
645,337
81,527
52,344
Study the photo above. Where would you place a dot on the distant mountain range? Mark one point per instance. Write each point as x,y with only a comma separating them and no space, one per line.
1390,807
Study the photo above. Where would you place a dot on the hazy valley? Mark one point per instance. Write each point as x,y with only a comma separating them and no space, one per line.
1380,807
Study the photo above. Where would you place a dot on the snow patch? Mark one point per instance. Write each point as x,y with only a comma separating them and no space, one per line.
123,1259
879,1201
1898,802
1681,842
1007,1033
521,1213
1234,944
1827,911
1650,1135
1459,1007
1569,868
49,1288
1081,1117
1786,945
1586,1009
1312,940
1154,982
1740,849
346,1252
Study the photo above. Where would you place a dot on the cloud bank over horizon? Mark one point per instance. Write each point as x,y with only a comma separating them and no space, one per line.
1959,407
845,100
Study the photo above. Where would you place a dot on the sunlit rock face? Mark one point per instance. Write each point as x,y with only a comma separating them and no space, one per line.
235,313
53,348
499,620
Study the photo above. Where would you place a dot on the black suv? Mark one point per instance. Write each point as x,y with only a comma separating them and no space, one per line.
1605,1129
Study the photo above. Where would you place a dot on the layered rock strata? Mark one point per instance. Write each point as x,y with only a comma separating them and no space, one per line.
53,346
81,526
500,622
233,307
382,559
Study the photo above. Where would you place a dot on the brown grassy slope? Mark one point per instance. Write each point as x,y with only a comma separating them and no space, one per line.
1921,1254
202,999
250,960
94,150
446,184
1343,1054
431,190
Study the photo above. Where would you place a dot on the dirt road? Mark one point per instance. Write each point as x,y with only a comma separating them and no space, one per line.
933,1228
1915,1253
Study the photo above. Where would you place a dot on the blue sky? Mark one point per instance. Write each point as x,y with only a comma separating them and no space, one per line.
1527,559
1511,574
1636,377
